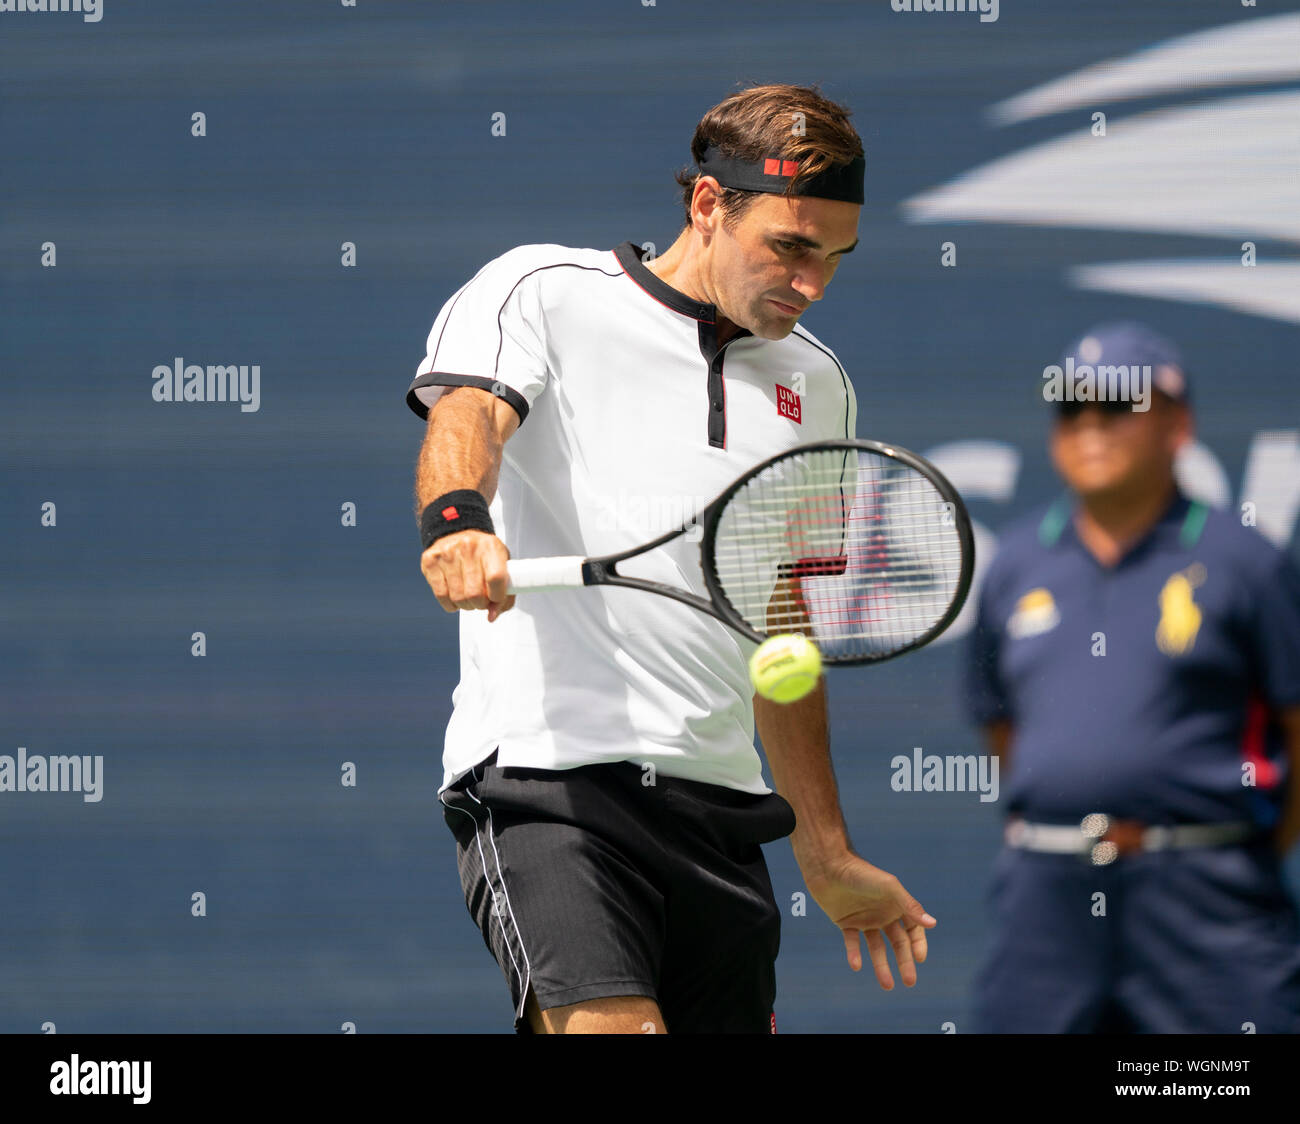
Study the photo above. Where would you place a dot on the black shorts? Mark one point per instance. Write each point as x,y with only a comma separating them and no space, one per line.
588,883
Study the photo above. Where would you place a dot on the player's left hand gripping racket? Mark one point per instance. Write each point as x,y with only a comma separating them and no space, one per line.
865,548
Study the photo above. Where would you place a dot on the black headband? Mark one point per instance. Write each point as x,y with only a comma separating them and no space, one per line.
773,174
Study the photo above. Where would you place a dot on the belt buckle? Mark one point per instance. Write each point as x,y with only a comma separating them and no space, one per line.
1114,837
1098,827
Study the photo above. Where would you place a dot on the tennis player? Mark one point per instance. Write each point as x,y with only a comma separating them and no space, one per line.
600,774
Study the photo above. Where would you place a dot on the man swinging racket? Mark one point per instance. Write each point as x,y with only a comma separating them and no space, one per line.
600,775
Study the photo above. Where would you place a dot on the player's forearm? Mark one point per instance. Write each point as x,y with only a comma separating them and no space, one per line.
462,447
797,744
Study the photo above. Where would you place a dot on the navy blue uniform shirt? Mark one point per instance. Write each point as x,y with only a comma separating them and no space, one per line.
1140,690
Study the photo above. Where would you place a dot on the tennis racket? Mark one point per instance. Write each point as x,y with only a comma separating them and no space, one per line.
863,547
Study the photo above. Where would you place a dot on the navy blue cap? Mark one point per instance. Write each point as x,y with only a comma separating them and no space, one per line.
1128,343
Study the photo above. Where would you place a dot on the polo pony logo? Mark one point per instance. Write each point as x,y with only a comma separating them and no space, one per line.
1180,616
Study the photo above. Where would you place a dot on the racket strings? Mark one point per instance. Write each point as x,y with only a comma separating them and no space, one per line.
855,549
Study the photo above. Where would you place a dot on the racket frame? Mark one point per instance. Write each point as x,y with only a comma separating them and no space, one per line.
961,523
603,570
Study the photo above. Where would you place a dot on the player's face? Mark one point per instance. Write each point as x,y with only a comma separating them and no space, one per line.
779,259
1119,452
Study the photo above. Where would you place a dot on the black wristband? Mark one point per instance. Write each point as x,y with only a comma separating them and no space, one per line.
461,510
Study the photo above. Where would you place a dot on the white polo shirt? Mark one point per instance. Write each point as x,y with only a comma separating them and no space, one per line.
632,420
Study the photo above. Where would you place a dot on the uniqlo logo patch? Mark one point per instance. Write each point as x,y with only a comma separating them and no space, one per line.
787,404
450,513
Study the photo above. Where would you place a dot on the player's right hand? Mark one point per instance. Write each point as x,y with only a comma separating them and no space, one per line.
467,570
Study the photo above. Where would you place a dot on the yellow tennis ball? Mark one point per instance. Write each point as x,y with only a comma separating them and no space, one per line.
785,668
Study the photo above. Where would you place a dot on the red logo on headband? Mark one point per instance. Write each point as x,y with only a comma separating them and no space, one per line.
773,166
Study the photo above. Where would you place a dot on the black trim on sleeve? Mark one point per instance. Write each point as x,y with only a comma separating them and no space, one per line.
438,378
441,378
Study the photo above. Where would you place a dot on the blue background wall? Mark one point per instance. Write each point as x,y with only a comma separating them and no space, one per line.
371,124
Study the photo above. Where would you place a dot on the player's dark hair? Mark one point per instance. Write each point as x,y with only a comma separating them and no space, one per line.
793,122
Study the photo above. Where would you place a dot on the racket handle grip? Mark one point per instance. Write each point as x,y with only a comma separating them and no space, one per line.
536,575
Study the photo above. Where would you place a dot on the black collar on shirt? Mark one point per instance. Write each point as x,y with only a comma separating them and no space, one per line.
629,256
706,315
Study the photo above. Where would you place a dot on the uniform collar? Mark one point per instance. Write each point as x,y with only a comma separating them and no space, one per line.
629,257
1168,528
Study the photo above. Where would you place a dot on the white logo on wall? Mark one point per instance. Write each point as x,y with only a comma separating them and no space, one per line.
1179,156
